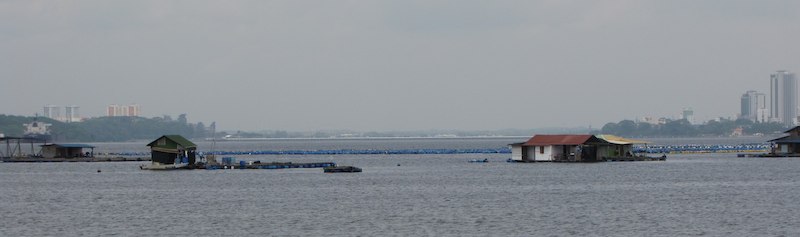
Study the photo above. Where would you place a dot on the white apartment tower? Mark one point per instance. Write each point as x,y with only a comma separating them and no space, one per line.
688,114
52,111
783,98
71,114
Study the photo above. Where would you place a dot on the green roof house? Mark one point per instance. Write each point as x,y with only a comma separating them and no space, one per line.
172,152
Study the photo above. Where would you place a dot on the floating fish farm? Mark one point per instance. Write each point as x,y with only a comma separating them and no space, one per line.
341,152
703,148
690,148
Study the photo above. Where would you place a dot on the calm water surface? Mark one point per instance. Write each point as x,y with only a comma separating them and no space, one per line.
441,195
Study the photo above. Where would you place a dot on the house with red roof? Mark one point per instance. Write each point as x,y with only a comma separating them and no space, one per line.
560,148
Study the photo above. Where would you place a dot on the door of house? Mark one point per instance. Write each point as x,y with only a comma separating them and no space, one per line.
589,153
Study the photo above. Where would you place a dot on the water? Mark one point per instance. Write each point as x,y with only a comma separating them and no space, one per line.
441,195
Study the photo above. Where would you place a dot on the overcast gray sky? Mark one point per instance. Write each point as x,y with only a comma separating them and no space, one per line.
394,65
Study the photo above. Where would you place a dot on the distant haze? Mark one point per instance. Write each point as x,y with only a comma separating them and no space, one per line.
394,65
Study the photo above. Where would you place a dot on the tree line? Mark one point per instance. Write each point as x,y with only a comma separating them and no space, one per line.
683,128
109,129
120,129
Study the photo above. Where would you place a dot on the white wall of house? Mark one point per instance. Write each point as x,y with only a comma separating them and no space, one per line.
535,153
516,152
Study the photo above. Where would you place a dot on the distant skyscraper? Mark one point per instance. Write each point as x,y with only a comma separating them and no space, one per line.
754,106
133,110
114,110
52,111
688,114
71,114
783,98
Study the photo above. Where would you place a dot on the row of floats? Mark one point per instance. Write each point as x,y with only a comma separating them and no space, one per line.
327,167
338,152
691,148
703,148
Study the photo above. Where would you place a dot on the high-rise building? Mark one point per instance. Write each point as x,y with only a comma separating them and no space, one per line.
688,114
754,106
114,110
133,110
71,114
111,110
52,111
783,98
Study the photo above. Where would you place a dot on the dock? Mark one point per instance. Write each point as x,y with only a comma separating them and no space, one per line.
75,159
768,155
635,158
270,165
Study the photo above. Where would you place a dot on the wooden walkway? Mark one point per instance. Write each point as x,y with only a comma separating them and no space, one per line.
76,159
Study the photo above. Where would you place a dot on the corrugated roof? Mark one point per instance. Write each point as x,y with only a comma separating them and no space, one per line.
619,140
784,137
789,141
180,140
546,140
71,145
792,129
786,140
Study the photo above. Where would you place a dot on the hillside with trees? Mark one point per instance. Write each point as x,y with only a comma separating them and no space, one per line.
121,129
682,128
109,129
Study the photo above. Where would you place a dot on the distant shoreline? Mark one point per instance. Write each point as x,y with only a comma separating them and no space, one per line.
360,138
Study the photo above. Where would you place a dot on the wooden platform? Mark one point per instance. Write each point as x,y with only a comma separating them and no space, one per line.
604,159
272,165
635,158
769,155
76,159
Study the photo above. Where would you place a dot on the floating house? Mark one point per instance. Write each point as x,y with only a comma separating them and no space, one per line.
618,148
787,145
171,152
576,148
559,148
66,151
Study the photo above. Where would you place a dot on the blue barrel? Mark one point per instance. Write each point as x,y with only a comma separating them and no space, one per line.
185,160
227,160
242,163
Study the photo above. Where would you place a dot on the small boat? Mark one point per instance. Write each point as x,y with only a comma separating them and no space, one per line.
159,166
479,161
341,169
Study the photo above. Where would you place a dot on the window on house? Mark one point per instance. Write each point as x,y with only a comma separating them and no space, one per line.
541,150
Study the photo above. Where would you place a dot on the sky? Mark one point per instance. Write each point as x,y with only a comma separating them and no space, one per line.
394,65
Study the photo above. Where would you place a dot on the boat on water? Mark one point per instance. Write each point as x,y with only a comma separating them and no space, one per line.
341,169
479,161
159,166
37,131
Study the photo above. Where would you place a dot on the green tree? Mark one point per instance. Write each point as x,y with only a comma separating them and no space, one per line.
610,128
678,128
626,128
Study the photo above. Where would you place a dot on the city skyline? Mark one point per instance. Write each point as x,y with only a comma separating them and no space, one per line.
783,101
